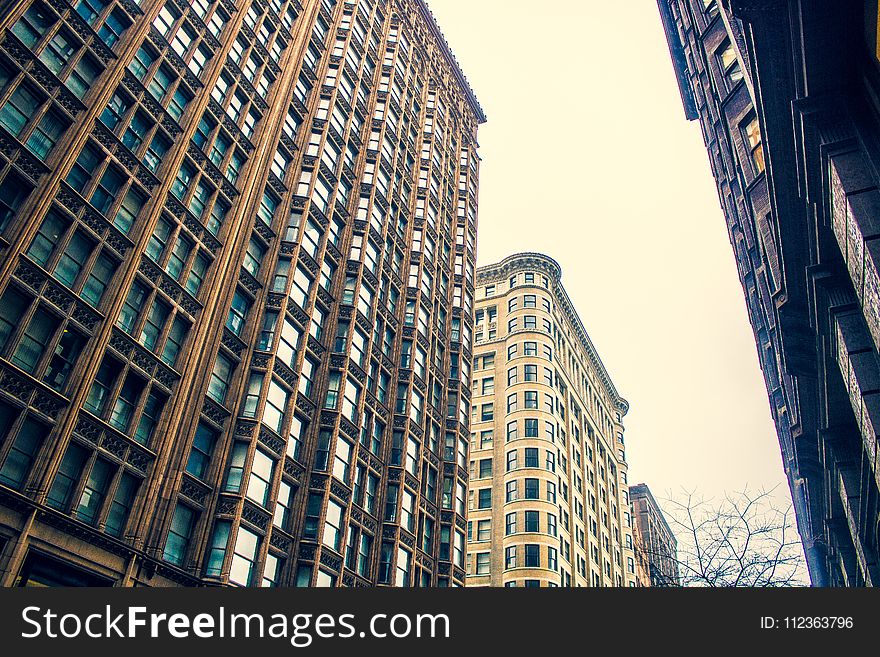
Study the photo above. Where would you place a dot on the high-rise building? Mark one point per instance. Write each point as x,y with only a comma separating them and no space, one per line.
643,565
236,280
654,541
786,92
548,499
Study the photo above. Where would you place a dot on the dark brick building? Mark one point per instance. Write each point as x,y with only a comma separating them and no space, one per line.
236,275
786,92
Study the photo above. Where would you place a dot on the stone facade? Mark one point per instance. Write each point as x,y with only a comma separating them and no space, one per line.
786,95
548,500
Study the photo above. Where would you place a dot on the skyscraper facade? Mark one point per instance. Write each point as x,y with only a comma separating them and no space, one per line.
654,540
236,282
548,499
786,94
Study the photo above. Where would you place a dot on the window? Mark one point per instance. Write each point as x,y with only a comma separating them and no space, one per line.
322,450
98,279
276,401
532,491
100,388
18,115
510,557
283,503
352,399
244,556
260,480
120,507
31,27
120,415
482,564
155,321
221,376
342,459
532,556
217,550
177,543
13,192
306,376
23,450
412,456
729,63
49,235
531,521
531,426
363,554
201,451
128,210
94,491
299,291
237,312
752,132
512,460
313,514
531,460
253,258
35,340
511,491
407,511
333,533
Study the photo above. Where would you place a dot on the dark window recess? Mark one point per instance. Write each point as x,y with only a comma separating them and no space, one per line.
40,570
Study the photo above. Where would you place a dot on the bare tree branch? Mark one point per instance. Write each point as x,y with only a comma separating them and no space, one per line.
743,540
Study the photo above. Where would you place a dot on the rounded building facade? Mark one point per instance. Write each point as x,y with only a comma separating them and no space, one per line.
548,500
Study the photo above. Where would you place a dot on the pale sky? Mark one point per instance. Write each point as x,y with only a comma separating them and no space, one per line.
587,157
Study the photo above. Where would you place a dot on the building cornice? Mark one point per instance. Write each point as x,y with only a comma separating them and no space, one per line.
460,77
642,490
539,262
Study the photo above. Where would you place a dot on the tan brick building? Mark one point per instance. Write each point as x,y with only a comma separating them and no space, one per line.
548,497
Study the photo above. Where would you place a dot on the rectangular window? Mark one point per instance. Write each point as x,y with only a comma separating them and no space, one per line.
260,480
94,491
217,549
120,507
201,451
221,375
67,476
177,543
332,536
235,470
244,556
23,451
752,132
35,340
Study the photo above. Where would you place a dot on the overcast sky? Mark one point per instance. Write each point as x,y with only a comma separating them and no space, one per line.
587,157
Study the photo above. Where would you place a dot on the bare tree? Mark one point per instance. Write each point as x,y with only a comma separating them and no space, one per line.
746,540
